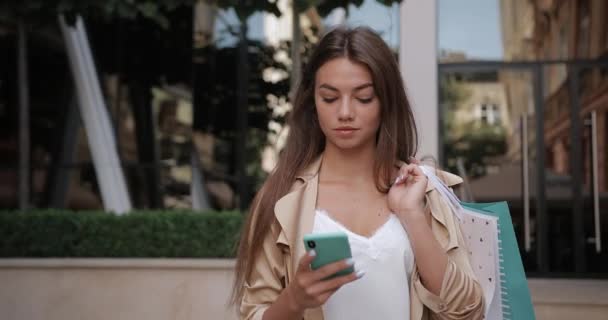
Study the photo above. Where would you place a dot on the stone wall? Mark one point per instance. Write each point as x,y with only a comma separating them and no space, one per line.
188,289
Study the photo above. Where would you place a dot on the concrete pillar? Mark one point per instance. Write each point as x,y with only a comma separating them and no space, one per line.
418,63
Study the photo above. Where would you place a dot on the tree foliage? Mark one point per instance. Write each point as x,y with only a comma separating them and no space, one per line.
480,144
156,10
475,142
324,7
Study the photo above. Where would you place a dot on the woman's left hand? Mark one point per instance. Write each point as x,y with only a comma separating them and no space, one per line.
406,196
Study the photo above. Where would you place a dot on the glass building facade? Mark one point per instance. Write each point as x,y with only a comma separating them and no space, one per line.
523,98
510,94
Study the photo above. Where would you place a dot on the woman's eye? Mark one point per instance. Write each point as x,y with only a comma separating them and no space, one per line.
329,100
365,101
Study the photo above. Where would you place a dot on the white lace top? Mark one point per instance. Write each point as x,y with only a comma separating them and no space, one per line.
387,259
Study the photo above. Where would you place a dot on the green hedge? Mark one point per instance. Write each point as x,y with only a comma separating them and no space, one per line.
170,234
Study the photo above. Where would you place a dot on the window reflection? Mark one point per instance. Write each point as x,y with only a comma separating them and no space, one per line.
470,30
520,30
575,183
583,29
382,19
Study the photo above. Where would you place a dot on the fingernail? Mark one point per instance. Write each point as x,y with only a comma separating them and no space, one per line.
360,274
312,253
350,262
398,179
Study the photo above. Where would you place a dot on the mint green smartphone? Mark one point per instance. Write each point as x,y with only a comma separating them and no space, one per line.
329,247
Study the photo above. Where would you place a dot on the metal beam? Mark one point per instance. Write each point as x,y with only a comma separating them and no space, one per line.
576,171
147,150
24,118
241,116
296,56
489,65
200,197
59,173
542,252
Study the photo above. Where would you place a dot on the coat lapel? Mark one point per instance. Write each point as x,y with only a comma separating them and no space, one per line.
295,212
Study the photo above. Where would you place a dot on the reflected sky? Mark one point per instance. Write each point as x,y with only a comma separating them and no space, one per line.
383,19
470,26
228,21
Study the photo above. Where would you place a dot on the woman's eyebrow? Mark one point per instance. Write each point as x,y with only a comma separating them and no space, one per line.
328,87
357,88
363,86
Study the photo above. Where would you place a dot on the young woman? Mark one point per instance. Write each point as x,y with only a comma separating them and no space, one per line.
341,170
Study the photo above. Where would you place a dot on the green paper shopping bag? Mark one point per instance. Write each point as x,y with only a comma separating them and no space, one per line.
493,253
515,299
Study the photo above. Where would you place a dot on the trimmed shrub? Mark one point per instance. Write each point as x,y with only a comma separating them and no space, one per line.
149,234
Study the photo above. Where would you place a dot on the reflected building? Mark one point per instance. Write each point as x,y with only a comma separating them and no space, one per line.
517,31
574,30
553,71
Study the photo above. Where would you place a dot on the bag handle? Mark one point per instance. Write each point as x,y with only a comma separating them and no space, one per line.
446,193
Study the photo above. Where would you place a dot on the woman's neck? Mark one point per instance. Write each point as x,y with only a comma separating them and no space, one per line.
354,166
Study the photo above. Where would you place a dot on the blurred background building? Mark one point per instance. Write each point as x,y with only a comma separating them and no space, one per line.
523,94
510,94
170,79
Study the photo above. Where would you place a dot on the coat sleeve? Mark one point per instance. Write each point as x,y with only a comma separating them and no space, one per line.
266,281
461,295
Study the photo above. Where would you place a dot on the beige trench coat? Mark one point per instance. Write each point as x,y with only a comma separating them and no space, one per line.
460,296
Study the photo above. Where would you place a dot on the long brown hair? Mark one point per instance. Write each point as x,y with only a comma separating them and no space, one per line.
396,138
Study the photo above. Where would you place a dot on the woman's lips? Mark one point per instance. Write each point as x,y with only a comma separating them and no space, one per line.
345,131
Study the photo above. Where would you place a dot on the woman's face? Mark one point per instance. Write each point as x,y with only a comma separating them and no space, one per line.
347,106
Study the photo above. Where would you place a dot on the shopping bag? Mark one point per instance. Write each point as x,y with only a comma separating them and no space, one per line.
493,252
516,302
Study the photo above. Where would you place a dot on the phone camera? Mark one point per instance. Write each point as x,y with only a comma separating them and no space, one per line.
312,244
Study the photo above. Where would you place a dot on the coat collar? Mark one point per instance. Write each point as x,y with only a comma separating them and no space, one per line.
295,210
299,203
313,170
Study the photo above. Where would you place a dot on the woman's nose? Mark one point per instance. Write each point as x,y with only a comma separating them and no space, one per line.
346,110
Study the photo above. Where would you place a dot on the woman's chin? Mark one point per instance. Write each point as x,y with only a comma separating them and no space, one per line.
350,145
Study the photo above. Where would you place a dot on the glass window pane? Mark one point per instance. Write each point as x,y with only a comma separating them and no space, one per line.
486,119
227,25
520,30
469,30
605,18
383,19
486,30
583,29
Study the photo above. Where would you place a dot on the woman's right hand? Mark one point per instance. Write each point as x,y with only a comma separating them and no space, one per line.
311,288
